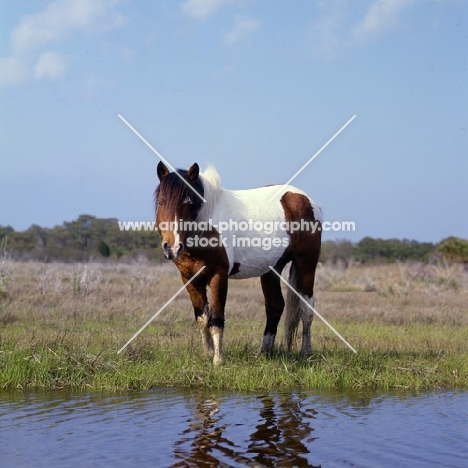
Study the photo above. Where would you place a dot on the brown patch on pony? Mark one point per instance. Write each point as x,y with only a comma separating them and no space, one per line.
194,257
305,245
297,206
216,265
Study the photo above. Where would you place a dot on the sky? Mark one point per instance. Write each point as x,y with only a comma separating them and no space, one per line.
254,87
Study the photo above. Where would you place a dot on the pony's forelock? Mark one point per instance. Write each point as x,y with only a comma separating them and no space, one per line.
173,191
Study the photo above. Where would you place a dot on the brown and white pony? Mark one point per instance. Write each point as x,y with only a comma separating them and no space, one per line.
239,234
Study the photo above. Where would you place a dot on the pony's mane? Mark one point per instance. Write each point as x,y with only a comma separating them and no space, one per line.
211,188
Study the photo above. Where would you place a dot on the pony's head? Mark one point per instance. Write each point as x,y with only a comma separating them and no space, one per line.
176,201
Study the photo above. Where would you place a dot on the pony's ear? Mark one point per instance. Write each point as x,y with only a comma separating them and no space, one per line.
162,170
193,172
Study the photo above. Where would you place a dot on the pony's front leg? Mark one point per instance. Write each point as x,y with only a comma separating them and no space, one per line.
201,309
218,286
207,340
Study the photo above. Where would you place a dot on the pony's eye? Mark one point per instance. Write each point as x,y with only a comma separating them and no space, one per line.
188,200
160,202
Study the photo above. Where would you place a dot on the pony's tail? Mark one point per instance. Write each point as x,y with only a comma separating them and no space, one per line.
293,309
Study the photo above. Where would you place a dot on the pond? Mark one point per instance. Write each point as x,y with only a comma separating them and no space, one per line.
177,428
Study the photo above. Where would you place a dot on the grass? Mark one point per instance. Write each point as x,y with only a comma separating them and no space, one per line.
61,326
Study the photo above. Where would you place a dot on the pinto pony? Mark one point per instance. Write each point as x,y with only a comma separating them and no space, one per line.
239,234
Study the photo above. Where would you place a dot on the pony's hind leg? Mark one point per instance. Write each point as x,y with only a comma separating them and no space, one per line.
305,287
274,305
307,316
300,302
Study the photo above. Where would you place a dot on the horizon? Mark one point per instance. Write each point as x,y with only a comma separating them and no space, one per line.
148,226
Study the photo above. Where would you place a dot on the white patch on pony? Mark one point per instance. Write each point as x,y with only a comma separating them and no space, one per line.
254,249
175,231
217,336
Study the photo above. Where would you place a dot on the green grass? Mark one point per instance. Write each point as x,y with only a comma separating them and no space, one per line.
170,354
63,339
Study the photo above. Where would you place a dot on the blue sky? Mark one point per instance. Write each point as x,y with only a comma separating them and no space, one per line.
254,87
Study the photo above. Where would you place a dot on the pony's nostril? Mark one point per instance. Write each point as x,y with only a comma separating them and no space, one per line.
164,245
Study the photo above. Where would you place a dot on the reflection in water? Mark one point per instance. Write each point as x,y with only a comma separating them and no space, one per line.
281,436
203,425
205,434
171,427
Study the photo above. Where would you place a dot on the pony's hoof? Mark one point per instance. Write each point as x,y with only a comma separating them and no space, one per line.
267,346
218,361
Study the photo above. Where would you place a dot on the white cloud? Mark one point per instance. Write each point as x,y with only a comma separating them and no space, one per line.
50,65
59,19
202,8
244,26
334,32
379,18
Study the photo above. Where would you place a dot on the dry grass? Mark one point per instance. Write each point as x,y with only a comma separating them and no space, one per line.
392,294
80,314
395,294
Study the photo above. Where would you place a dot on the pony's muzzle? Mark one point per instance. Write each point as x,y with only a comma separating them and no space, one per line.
172,252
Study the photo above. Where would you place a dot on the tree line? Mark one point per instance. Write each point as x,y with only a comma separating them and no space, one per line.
91,237
370,250
79,240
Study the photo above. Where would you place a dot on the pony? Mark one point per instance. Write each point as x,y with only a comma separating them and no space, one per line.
236,234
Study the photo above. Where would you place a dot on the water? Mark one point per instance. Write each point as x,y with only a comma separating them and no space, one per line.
173,428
